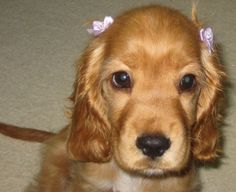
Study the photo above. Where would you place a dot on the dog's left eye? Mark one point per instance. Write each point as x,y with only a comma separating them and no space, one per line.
121,79
187,82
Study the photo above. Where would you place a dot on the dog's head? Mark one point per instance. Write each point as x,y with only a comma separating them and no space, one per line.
146,94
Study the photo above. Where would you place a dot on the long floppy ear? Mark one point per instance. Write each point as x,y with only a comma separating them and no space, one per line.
90,135
205,133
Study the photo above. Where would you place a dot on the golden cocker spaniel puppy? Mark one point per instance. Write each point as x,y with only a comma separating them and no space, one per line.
145,108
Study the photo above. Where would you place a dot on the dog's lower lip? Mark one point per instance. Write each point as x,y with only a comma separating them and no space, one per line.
153,172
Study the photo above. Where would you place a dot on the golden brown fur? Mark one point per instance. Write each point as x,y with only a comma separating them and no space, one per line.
97,151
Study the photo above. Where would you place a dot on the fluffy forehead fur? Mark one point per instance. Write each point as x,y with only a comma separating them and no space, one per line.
153,30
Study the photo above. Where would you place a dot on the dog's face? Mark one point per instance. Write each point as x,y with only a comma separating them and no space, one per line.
145,90
153,75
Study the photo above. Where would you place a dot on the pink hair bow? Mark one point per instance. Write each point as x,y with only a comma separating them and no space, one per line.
99,27
206,35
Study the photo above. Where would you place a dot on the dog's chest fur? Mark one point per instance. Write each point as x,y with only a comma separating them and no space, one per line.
112,178
127,183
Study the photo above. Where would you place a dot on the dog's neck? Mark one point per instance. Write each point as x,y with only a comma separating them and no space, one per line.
125,182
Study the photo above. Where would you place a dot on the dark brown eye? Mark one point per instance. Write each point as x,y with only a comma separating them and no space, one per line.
187,82
121,79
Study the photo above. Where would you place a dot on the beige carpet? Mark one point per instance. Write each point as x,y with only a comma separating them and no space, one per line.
39,42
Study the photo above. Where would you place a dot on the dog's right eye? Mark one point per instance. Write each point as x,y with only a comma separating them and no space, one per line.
187,82
121,79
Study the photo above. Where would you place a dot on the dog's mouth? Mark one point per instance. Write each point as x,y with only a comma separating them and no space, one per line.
157,167
144,165
149,167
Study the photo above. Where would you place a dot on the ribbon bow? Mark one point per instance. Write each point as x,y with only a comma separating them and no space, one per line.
99,27
206,35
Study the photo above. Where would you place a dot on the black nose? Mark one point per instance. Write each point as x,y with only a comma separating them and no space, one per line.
153,145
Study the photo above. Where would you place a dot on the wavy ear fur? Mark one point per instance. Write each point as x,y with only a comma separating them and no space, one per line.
89,138
205,133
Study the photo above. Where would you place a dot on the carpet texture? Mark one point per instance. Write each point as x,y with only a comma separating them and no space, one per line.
39,43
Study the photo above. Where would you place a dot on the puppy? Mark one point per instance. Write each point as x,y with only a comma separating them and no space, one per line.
145,109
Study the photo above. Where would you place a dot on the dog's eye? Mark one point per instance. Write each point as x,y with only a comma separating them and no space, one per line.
187,82
121,79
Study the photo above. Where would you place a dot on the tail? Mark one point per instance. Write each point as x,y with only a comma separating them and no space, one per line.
26,134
